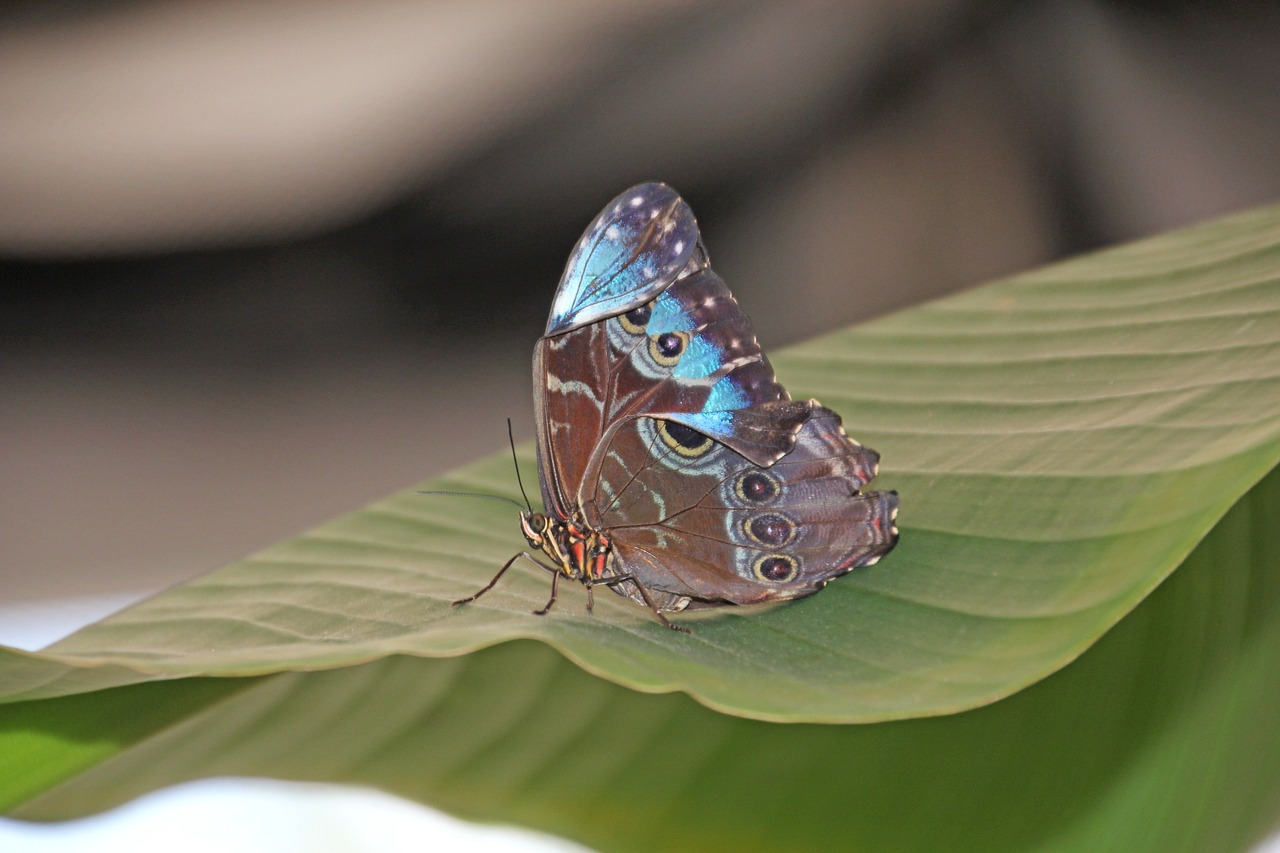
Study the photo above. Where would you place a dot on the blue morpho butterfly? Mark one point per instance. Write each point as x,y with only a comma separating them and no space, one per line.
675,469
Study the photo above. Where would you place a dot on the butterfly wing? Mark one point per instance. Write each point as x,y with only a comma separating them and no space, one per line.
662,421
640,325
699,525
629,254
688,356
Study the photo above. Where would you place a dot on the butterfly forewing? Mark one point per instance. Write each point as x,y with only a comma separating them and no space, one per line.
690,355
637,246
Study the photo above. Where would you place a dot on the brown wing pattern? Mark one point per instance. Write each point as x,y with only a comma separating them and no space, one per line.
688,356
692,519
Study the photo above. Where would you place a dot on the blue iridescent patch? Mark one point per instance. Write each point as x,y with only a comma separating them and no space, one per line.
713,424
726,395
631,253
700,358
669,316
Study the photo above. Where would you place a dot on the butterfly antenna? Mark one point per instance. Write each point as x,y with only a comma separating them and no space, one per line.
516,504
511,439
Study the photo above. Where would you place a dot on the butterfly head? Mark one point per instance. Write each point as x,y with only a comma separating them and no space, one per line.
578,550
534,526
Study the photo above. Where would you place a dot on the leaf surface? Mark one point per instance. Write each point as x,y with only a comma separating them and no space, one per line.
1061,442
1161,737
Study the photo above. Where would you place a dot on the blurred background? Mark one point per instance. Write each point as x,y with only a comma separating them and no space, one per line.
264,263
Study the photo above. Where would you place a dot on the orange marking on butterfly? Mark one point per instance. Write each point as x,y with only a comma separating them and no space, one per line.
601,556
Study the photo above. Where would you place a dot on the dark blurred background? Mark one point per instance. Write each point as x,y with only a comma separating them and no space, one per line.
264,263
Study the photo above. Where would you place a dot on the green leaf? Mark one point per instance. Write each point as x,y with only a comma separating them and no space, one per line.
1161,737
1061,442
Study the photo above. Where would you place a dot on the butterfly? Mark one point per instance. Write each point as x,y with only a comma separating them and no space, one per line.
675,469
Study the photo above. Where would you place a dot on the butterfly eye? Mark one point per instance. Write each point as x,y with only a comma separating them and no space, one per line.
684,440
777,568
667,348
534,526
756,487
770,529
636,319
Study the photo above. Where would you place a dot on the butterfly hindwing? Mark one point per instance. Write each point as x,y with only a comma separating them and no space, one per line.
694,520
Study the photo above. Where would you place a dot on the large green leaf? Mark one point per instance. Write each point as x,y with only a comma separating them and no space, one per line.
1160,738
1061,441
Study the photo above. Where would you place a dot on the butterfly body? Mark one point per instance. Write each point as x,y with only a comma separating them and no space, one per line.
675,469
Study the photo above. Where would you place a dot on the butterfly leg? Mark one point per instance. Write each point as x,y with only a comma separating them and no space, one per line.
555,582
644,593
591,595
501,572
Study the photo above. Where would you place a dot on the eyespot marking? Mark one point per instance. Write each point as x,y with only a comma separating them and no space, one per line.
771,529
635,320
756,487
667,348
775,568
686,441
